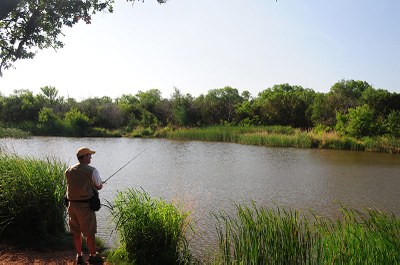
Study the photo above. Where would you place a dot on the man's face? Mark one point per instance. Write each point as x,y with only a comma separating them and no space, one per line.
87,159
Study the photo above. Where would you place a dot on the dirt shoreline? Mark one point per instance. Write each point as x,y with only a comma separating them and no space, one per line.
11,256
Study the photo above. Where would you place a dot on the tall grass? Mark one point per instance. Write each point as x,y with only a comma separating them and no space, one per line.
31,198
264,236
382,144
361,237
226,133
150,230
284,136
279,236
298,140
13,133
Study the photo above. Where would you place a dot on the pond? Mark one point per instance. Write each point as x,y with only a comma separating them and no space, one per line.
209,177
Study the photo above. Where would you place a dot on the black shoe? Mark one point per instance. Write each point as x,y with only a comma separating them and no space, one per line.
80,260
96,259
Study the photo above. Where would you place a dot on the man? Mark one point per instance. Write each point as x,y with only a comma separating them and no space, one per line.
82,181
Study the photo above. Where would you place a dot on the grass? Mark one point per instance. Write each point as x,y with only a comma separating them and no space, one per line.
151,231
31,199
368,237
264,236
225,133
13,133
284,136
279,236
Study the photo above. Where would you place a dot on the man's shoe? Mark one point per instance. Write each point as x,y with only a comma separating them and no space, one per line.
96,259
80,260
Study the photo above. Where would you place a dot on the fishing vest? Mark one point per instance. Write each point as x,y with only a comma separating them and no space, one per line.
79,182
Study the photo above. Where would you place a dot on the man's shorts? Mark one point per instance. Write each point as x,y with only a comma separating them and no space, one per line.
81,219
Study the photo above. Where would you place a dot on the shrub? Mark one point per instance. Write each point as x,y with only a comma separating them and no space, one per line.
13,133
151,231
31,198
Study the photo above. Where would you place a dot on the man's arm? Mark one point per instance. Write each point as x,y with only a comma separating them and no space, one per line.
98,183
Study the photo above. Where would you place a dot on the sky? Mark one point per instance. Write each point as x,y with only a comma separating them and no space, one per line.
196,46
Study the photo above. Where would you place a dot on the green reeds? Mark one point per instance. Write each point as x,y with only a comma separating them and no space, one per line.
31,198
298,140
279,236
382,144
284,136
226,133
361,237
13,133
264,236
151,231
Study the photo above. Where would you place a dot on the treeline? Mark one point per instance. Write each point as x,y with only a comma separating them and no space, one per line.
352,108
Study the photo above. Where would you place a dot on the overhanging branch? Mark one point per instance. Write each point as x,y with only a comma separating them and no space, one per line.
6,6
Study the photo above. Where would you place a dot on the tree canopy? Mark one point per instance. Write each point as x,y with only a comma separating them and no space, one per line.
27,26
352,108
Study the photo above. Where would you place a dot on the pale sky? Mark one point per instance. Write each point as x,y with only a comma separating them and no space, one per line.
197,46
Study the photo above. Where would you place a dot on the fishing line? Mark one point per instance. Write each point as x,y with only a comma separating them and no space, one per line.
125,165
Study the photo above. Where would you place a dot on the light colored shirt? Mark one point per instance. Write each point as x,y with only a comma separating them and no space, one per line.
96,177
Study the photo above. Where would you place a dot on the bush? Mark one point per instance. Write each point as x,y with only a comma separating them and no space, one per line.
140,131
101,132
151,231
31,198
77,123
13,133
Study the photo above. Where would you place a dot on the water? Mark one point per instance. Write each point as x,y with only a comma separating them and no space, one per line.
211,177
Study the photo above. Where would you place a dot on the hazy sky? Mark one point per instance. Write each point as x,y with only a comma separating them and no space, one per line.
201,45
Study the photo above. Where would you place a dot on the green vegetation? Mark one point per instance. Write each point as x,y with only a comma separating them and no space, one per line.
285,136
280,236
13,133
151,231
352,116
31,199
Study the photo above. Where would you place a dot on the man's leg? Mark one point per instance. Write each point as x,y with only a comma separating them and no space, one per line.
91,243
94,258
77,237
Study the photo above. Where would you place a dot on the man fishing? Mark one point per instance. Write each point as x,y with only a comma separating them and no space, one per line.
82,181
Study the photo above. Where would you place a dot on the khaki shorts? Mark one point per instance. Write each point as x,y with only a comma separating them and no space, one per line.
81,219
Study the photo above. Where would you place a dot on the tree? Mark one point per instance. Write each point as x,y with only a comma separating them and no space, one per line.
342,96
49,122
131,111
49,98
20,107
285,105
393,123
358,122
50,93
381,101
182,108
102,112
149,99
220,104
323,112
347,94
77,122
29,25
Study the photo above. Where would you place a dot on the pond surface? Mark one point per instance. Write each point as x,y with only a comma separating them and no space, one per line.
211,177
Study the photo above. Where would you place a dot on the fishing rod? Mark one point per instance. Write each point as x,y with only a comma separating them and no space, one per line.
125,165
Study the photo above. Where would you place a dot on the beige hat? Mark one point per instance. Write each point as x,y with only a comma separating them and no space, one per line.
84,151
